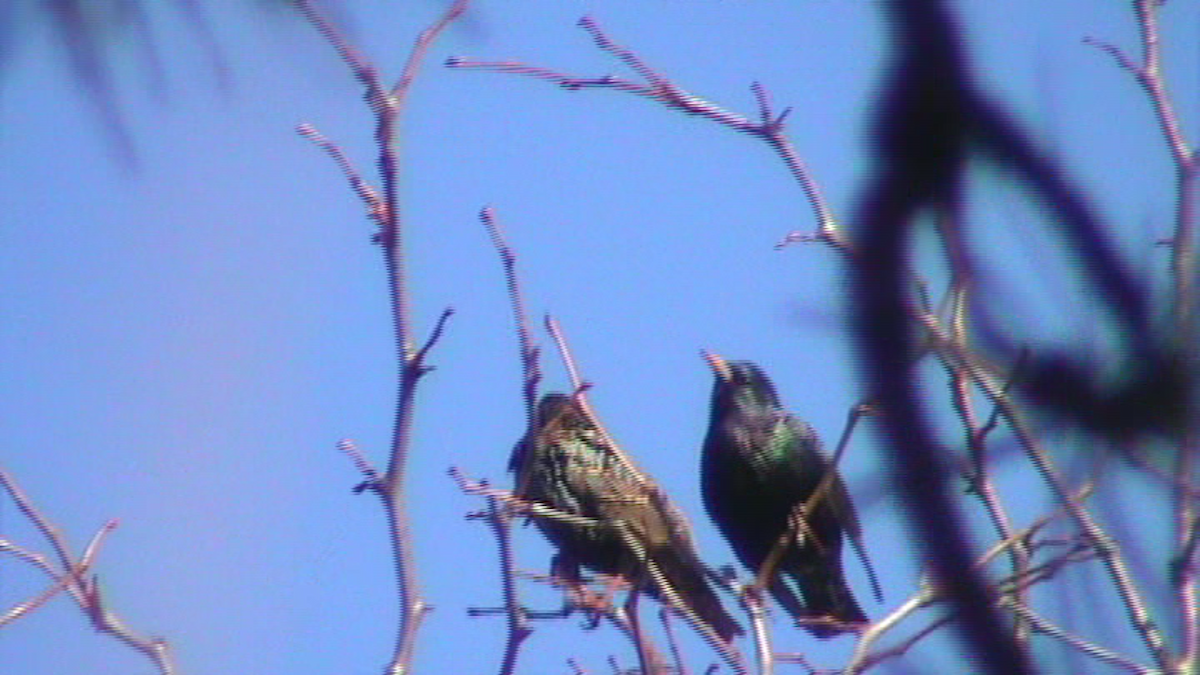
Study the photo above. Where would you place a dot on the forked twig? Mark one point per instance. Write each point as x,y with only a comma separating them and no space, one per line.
70,576
500,519
1148,75
386,103
1106,547
769,127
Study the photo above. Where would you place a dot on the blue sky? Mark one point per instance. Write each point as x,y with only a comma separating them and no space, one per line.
186,342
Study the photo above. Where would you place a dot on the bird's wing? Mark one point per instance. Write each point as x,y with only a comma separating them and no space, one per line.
812,457
808,464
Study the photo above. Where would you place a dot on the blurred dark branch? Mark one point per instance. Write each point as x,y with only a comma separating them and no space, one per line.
71,576
932,120
919,144
387,103
93,33
84,47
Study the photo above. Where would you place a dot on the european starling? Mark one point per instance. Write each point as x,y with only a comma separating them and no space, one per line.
568,467
759,467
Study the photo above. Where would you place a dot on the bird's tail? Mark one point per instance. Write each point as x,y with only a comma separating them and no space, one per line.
829,605
689,583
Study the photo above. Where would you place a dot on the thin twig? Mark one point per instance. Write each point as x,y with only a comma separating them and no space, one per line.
529,351
500,518
1102,654
1148,75
500,522
977,477
664,617
365,191
852,528
364,466
386,104
1106,547
33,515
86,592
863,658
72,578
769,128
518,505
580,387
751,598
649,659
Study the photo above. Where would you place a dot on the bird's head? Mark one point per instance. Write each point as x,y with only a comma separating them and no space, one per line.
740,382
555,411
560,410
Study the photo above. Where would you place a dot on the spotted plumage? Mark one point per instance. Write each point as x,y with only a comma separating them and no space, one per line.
568,466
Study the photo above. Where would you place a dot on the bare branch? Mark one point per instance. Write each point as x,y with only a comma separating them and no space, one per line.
528,350
580,394
421,48
364,466
751,598
386,105
43,525
863,658
1041,625
500,520
70,577
770,128
664,617
365,191
1106,547
363,71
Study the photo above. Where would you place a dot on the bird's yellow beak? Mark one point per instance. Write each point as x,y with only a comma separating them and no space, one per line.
718,365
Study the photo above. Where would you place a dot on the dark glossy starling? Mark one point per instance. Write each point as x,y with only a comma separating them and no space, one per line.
759,464
569,467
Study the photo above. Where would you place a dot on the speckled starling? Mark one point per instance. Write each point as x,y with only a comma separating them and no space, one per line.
569,467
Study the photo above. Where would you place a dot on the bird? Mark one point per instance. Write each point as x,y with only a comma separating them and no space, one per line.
759,466
569,466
